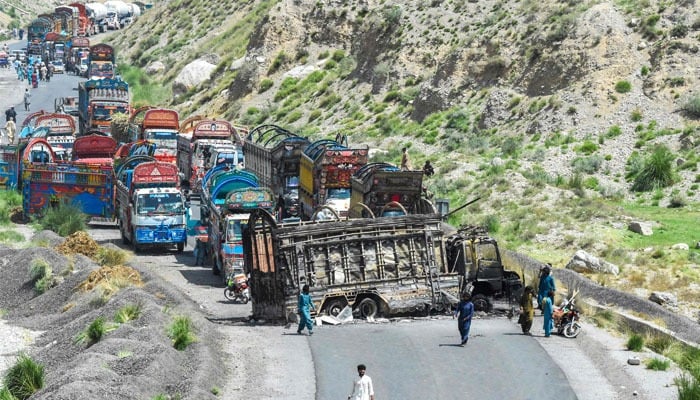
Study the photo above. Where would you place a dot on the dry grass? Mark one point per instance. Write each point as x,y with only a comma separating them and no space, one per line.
110,279
79,243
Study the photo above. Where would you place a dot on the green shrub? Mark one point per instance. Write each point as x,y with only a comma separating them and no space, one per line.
65,220
128,313
657,171
180,331
6,395
587,147
613,131
587,165
635,342
11,236
692,106
94,332
24,378
657,364
9,199
645,71
688,387
623,87
338,55
265,84
314,115
110,257
636,115
492,223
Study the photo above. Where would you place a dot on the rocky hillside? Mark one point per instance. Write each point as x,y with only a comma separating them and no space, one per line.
566,118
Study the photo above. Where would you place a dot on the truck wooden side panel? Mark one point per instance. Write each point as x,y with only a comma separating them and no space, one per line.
395,258
380,184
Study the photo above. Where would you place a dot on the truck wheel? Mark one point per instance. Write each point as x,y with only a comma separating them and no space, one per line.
335,306
180,247
481,303
368,308
125,240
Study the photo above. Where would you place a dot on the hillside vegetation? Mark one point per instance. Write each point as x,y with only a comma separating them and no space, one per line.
568,119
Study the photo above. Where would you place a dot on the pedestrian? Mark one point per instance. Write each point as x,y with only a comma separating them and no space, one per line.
305,306
27,99
428,168
464,314
405,163
11,114
547,311
362,387
527,311
546,285
10,129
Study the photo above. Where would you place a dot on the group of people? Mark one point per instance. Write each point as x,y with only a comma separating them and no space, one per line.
545,302
34,71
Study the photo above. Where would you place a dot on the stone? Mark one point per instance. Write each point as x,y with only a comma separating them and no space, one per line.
633,361
642,228
497,162
192,75
156,67
584,262
237,64
664,299
680,246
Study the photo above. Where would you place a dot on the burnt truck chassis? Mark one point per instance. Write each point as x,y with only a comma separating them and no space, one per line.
380,267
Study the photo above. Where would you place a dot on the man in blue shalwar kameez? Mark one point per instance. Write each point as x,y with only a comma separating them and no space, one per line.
547,311
464,313
305,307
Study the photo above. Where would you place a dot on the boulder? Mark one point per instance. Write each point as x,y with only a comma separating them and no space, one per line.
680,246
664,299
156,67
237,64
642,228
584,262
192,75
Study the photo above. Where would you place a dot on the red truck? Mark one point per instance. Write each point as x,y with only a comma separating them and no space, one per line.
160,126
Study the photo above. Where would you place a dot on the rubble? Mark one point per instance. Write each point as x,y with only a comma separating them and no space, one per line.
79,243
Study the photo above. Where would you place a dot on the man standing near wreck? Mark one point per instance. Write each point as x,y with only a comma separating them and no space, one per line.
362,387
464,313
305,306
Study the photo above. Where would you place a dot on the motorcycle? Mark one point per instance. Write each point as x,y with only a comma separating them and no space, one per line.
566,319
237,289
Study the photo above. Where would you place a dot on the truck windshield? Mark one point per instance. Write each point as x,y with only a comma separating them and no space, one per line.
234,229
159,203
488,251
163,139
339,193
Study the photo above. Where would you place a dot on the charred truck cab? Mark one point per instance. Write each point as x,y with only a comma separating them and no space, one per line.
475,257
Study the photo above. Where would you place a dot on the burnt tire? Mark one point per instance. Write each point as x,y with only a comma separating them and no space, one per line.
481,303
368,308
335,306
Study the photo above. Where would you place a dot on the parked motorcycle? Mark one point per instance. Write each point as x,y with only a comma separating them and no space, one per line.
237,289
566,319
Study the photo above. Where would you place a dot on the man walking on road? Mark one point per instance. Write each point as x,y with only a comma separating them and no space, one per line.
27,99
305,305
362,388
11,114
464,314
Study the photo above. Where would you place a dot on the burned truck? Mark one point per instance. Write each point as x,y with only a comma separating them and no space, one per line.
378,267
474,256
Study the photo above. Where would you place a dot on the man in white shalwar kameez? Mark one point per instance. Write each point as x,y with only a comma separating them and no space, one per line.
362,388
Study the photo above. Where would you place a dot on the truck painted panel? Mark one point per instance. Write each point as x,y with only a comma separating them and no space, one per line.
101,59
88,187
326,167
94,146
8,167
161,118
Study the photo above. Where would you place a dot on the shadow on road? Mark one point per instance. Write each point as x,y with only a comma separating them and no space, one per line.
202,277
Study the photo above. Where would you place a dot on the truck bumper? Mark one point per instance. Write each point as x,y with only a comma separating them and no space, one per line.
160,236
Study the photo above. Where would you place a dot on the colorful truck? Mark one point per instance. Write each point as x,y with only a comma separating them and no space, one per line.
194,149
69,20
86,24
377,267
149,206
382,189
325,170
274,155
228,198
88,186
101,60
98,100
61,131
159,126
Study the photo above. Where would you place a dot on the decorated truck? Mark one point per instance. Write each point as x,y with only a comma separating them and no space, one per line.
159,126
86,24
61,131
325,170
149,206
228,197
377,267
381,189
194,149
88,186
101,61
274,155
98,100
